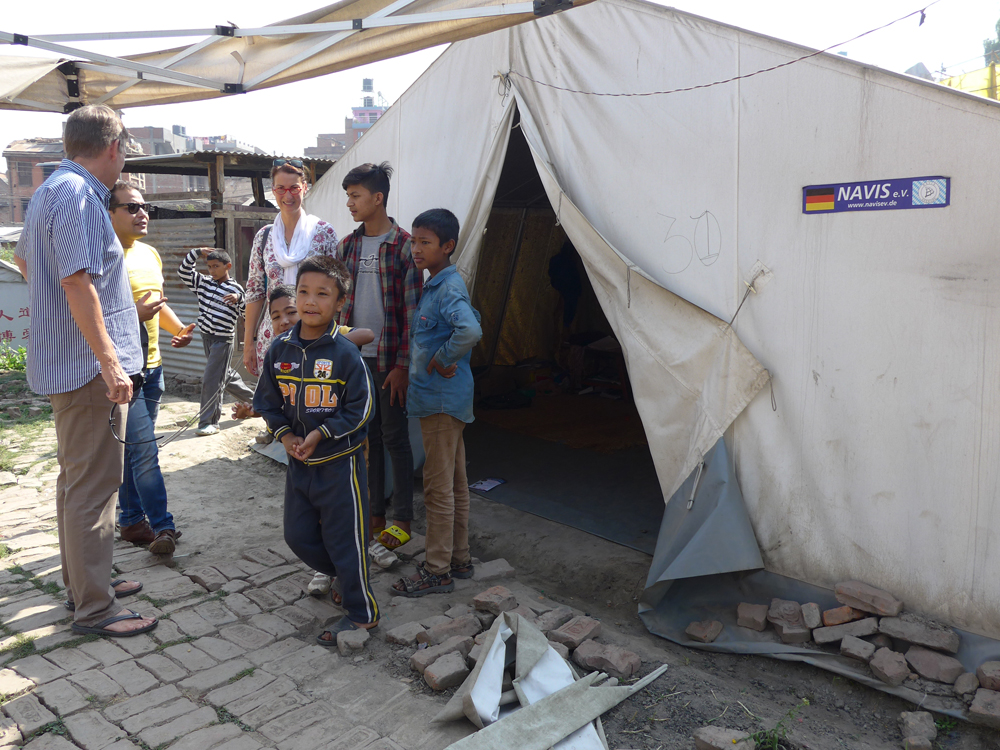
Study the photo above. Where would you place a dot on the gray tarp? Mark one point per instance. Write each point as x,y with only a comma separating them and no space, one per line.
707,562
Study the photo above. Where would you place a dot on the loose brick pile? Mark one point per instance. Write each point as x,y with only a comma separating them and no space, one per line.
448,647
871,627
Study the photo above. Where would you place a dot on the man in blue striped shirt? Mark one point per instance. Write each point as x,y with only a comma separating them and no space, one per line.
83,350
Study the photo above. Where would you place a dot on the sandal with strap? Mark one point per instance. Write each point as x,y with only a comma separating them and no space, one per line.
71,606
101,628
427,583
393,532
463,571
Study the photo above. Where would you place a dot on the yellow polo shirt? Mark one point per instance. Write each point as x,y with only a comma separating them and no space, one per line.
145,274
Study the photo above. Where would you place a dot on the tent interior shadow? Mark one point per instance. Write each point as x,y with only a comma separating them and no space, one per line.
554,414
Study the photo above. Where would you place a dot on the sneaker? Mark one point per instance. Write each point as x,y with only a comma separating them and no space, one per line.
209,429
319,585
382,556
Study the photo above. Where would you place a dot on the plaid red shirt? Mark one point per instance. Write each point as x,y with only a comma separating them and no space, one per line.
401,286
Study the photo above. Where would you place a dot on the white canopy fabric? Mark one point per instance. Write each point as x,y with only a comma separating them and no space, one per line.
229,60
19,73
880,329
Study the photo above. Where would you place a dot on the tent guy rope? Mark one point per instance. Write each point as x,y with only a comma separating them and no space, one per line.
504,84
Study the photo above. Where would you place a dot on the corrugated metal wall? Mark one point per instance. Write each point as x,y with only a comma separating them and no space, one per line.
173,238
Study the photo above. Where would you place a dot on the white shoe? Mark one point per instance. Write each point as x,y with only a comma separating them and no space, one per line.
209,429
319,585
381,555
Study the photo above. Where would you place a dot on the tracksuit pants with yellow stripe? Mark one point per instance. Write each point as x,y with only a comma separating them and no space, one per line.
326,525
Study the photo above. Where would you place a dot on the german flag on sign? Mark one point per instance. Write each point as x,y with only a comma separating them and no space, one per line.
819,199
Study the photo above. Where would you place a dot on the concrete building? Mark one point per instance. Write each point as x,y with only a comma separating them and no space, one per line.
159,141
330,145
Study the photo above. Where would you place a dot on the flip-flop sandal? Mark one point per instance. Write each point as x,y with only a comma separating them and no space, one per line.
118,594
344,625
396,533
384,558
427,584
463,571
101,627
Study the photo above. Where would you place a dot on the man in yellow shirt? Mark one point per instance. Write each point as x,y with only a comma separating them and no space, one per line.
144,517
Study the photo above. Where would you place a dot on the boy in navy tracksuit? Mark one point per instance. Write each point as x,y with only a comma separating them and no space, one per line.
316,395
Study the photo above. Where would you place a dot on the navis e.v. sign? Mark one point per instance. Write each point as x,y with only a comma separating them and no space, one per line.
878,195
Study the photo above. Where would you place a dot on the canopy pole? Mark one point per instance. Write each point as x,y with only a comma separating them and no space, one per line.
8,38
317,48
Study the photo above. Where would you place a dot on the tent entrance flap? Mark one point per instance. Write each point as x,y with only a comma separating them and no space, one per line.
554,414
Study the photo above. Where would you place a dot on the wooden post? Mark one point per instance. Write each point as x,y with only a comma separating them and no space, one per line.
257,181
217,181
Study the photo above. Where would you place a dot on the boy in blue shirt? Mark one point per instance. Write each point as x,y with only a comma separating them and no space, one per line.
445,328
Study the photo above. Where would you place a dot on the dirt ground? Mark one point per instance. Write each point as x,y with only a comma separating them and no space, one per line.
227,498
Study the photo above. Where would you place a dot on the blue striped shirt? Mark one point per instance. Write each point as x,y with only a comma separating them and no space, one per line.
67,229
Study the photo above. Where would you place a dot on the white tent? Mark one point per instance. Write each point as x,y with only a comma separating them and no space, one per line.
880,329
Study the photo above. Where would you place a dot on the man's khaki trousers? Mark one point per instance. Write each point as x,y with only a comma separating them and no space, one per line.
90,473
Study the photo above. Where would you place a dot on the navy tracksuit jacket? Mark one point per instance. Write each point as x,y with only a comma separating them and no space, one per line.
324,385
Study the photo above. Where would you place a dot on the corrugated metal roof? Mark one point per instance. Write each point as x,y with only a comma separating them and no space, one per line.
236,163
36,146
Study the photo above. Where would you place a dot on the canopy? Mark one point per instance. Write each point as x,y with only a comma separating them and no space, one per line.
229,60
878,458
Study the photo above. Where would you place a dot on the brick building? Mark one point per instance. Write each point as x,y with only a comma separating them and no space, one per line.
25,170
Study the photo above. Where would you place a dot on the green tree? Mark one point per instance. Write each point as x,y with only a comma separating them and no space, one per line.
991,48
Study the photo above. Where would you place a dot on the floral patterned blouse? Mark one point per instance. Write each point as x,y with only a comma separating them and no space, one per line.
265,273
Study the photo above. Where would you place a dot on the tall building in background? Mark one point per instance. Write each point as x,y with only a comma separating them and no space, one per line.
333,145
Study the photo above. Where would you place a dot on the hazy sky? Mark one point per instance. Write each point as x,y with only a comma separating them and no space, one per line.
951,36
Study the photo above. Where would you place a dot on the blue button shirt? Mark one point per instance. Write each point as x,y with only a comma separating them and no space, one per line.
445,327
68,229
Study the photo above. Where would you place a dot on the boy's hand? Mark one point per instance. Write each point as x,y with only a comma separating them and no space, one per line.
147,310
308,446
444,372
243,410
397,381
205,251
291,443
231,299
183,337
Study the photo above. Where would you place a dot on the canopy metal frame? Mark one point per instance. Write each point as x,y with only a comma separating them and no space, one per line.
329,34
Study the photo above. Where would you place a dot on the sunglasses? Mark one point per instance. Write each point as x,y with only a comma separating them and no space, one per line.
279,190
133,208
283,162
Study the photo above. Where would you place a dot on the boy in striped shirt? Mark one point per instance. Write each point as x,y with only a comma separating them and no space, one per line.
221,301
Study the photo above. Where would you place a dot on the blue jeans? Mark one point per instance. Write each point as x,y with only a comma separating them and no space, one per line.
143,493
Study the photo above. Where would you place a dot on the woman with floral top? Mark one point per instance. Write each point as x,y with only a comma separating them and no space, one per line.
278,249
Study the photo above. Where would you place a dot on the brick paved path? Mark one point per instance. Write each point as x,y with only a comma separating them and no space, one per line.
233,664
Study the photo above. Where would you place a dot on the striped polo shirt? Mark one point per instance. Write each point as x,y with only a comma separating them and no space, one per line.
67,229
214,316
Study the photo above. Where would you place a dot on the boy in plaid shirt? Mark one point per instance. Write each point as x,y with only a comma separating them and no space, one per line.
384,293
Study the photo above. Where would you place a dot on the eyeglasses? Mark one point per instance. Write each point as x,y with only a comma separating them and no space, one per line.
291,162
133,208
279,190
